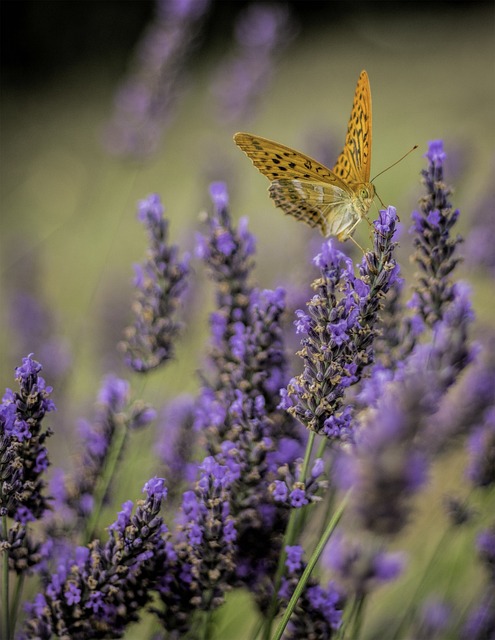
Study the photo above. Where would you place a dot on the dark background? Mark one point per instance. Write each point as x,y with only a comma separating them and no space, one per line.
40,38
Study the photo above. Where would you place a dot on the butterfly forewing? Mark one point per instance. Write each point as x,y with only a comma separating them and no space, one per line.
354,163
276,161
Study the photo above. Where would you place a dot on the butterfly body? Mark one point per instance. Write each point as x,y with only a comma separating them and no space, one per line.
334,200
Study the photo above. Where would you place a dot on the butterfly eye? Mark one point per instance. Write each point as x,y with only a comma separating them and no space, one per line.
364,193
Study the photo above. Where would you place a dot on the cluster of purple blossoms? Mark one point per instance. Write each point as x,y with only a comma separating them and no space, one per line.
199,562
23,461
435,246
160,282
295,491
102,588
145,102
237,409
318,613
359,568
23,451
339,330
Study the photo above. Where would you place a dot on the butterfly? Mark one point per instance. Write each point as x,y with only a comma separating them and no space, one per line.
334,200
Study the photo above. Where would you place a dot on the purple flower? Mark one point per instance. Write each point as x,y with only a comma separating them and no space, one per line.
435,246
434,619
486,549
298,498
293,561
262,31
319,610
121,574
23,454
481,469
280,491
161,282
435,153
360,567
339,328
146,100
73,594
115,417
175,438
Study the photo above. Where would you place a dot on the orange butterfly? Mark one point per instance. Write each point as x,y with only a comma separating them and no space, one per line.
335,200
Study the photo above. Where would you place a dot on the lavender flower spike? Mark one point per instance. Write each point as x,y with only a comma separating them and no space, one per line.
339,329
102,588
23,454
161,281
435,247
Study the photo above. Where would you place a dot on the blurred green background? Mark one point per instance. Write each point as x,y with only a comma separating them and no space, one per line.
69,234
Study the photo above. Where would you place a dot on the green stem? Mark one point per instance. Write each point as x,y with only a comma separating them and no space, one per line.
5,581
17,599
358,616
206,625
310,566
291,532
105,479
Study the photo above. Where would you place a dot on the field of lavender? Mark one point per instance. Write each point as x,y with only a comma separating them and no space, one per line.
218,424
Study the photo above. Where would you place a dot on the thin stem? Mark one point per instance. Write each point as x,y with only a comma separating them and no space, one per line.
310,566
206,625
290,535
358,616
17,599
106,477
5,581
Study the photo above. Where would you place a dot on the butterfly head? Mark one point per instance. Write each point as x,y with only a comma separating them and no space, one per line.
365,192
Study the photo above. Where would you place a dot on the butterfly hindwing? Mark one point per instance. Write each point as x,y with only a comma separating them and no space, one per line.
318,204
354,163
276,161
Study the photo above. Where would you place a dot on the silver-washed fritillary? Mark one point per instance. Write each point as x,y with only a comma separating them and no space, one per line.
335,200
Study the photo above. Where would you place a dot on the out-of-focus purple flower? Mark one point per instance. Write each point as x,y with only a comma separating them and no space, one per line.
339,326
36,329
480,624
105,586
433,619
486,549
262,32
294,557
115,417
176,437
435,246
161,281
480,242
389,461
360,567
146,100
465,410
481,470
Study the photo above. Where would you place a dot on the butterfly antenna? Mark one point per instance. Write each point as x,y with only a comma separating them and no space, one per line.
376,193
393,165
